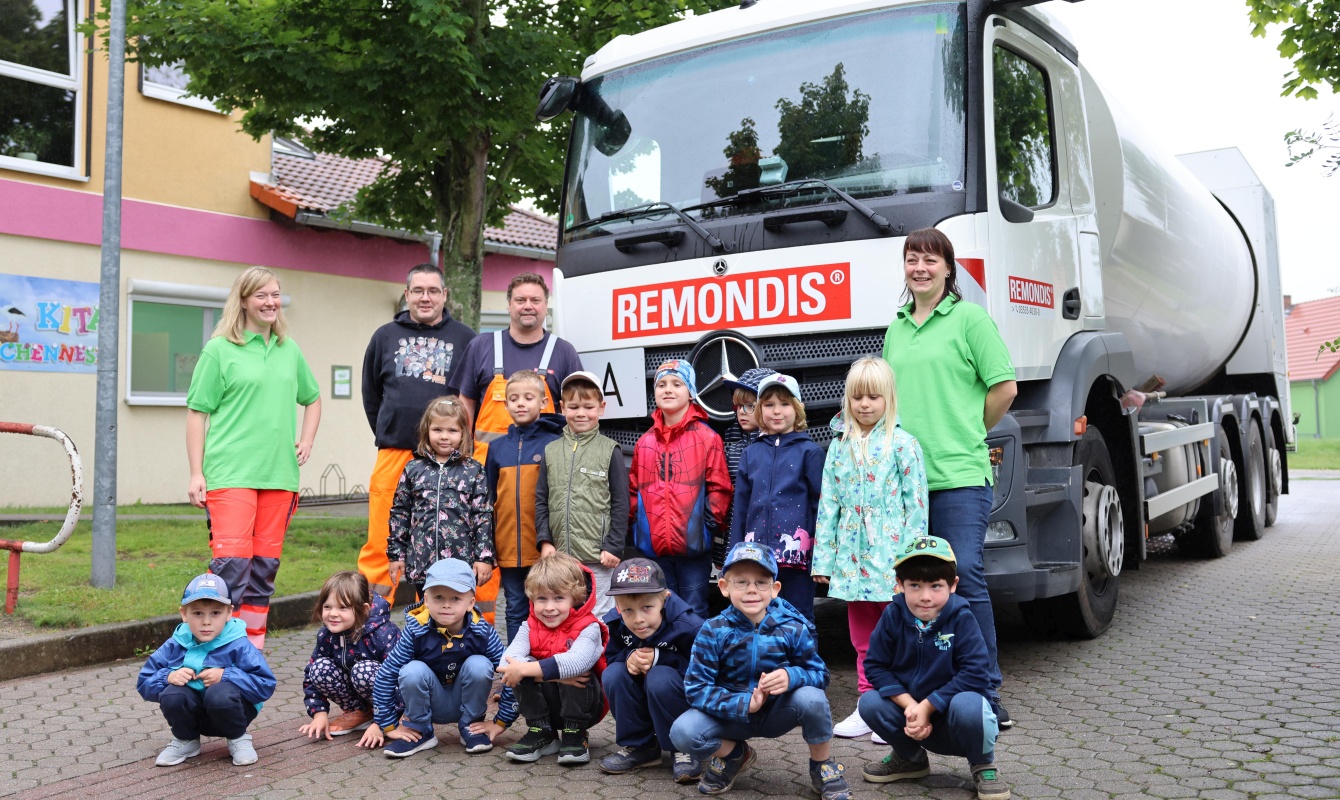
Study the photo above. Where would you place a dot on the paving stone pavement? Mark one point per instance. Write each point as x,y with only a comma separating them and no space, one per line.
1218,680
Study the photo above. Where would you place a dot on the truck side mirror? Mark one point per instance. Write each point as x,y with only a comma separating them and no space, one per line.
556,96
1014,212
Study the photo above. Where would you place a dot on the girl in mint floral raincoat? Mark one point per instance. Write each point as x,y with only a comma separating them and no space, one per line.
873,497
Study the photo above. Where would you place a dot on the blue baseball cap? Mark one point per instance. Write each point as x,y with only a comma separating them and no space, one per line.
451,573
778,379
206,587
751,551
749,379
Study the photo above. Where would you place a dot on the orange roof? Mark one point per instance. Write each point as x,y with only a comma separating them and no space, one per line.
1305,328
325,182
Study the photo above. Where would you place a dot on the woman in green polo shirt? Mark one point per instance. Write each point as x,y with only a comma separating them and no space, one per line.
244,471
955,382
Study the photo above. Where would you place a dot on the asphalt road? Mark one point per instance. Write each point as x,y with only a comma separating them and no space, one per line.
1218,679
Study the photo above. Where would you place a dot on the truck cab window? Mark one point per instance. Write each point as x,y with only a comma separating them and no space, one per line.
1025,150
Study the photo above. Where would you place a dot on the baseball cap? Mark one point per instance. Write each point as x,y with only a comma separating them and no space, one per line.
637,576
749,379
206,587
681,368
751,551
580,375
932,546
451,573
778,379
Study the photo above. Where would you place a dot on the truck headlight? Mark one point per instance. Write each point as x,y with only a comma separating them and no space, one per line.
1000,532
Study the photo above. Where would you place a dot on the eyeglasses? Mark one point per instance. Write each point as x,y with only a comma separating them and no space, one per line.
744,585
420,292
749,409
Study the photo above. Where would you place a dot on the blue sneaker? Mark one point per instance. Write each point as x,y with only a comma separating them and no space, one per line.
719,774
399,748
474,742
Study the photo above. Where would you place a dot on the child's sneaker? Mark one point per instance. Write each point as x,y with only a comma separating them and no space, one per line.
572,747
687,769
894,767
989,784
537,742
626,759
474,742
853,727
241,750
400,748
719,774
826,778
178,751
350,721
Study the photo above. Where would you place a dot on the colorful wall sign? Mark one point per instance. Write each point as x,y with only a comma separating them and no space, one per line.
48,325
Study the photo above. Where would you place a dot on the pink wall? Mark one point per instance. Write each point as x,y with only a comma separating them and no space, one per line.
499,270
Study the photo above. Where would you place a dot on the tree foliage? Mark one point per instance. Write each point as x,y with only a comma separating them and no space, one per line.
443,91
1311,40
824,132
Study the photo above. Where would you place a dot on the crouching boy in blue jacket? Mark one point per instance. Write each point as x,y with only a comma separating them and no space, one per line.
928,667
208,679
651,638
756,671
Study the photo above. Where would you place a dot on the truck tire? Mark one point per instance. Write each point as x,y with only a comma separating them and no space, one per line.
1274,480
1088,612
1251,521
1212,534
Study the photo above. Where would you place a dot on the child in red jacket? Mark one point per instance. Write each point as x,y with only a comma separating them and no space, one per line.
679,487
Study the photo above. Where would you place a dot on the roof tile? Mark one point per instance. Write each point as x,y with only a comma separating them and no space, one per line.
1305,328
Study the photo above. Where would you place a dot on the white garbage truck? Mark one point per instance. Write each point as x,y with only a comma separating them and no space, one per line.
737,189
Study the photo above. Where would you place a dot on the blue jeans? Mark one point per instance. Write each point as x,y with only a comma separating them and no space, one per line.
428,700
644,706
700,734
687,576
969,728
517,605
959,516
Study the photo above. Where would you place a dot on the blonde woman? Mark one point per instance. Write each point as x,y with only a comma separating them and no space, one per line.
240,421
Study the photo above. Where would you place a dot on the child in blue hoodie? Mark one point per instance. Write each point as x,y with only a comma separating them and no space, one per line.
928,665
207,679
756,672
651,637
777,489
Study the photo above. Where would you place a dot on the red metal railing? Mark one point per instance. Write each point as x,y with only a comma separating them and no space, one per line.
15,548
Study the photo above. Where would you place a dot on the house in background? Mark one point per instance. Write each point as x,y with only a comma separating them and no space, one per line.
191,221
1313,385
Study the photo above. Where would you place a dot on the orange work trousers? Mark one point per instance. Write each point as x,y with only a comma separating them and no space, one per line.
246,540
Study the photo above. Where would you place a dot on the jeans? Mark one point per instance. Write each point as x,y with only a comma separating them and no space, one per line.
700,734
220,710
798,590
687,576
968,729
428,700
959,516
548,704
644,706
517,605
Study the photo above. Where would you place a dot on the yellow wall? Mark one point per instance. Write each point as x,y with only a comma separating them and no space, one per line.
331,317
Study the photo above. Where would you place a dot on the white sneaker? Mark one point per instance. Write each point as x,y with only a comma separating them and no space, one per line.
241,750
876,738
853,727
178,751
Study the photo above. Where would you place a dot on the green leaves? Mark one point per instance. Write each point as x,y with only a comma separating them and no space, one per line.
1310,39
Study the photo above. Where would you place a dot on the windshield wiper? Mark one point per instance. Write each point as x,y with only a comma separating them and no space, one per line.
864,210
649,208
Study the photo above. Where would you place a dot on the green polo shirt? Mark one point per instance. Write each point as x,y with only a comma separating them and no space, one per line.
250,392
943,368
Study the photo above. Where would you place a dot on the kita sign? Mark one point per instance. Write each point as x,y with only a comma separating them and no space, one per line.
1032,298
48,325
780,297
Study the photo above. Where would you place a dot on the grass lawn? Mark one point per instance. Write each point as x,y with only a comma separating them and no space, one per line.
155,560
134,508
1315,454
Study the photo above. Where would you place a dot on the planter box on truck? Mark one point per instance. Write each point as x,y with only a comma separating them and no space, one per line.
737,190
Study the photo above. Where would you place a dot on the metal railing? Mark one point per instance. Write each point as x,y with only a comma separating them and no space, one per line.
16,548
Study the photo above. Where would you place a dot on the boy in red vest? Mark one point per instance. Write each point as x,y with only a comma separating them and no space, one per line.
554,662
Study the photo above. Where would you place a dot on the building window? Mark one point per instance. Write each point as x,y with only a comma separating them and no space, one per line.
169,82
41,75
1025,154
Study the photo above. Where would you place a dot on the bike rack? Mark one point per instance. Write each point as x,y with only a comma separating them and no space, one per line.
15,548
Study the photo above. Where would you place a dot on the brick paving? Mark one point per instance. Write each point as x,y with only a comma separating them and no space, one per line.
1218,680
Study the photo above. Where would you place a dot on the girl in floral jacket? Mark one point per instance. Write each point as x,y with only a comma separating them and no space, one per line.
441,507
873,497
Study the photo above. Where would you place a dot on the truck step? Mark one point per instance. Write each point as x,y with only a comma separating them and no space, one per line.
1044,494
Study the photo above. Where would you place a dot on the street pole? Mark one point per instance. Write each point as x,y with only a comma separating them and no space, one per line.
109,310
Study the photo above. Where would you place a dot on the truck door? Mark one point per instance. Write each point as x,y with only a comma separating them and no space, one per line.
1034,249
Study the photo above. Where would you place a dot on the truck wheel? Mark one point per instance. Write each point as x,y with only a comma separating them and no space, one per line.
1212,536
1274,481
1087,613
1251,522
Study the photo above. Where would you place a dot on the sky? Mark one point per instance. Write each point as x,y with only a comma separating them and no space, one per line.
1191,73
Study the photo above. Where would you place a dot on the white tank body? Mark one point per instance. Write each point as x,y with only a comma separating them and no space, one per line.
1178,276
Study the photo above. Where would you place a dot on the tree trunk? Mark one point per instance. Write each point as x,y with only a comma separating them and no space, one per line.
459,183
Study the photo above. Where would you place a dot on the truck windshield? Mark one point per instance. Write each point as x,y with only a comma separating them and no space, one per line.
872,103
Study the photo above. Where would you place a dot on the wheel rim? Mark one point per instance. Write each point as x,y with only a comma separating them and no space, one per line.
1258,488
1228,486
1276,472
1104,531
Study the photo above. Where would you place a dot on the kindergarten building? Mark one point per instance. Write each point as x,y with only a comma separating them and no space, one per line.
202,201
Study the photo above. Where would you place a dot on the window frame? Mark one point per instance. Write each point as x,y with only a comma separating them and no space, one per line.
75,81
171,94
1051,120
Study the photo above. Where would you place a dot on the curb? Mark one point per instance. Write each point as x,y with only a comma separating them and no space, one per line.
85,647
